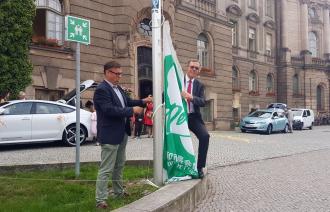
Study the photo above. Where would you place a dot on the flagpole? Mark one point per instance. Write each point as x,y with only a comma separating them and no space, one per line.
157,61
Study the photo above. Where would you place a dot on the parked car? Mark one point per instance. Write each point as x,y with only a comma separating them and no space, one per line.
267,121
302,118
70,97
27,121
277,105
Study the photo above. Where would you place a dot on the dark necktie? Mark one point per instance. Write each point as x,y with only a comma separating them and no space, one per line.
189,91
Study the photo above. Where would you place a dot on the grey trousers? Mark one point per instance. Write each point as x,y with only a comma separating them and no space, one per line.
113,159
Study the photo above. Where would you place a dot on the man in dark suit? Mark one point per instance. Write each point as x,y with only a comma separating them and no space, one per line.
114,109
194,94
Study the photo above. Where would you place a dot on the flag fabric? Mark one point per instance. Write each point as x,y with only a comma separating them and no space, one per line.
179,161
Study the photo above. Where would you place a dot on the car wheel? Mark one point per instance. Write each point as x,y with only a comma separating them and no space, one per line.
69,135
269,129
243,131
286,129
311,127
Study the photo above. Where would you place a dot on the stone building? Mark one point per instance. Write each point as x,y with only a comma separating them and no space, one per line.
120,30
303,43
253,48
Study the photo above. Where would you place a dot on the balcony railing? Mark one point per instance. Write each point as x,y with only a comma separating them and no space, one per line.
205,6
297,61
320,62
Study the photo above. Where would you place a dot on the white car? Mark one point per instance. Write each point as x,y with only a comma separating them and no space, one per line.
303,118
27,121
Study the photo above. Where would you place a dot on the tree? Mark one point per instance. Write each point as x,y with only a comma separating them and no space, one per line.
16,19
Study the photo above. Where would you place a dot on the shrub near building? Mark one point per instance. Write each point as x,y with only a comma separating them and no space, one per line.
16,18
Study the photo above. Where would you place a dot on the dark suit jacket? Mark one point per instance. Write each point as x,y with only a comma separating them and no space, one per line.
112,119
199,95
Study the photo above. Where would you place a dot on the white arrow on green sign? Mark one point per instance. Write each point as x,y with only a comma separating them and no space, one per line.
77,29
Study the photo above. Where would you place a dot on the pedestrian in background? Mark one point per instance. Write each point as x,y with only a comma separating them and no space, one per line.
290,119
138,124
21,95
148,122
4,96
114,110
90,106
194,94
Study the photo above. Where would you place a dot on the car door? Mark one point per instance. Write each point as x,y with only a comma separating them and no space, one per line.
309,119
275,119
15,122
305,119
47,122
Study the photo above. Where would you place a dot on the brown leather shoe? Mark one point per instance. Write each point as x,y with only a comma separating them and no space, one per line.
102,205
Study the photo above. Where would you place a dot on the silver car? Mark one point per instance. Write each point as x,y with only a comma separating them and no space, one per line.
267,121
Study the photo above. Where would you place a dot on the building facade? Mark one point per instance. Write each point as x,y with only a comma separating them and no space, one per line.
303,43
120,30
253,47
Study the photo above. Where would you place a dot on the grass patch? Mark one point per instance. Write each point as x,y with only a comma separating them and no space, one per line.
59,190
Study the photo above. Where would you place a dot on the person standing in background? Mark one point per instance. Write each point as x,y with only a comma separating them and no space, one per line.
148,122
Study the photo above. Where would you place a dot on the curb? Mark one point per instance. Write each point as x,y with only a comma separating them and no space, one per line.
178,196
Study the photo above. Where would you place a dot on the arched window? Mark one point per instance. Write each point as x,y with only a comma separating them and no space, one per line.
48,22
235,76
313,43
202,50
270,83
320,97
253,81
295,84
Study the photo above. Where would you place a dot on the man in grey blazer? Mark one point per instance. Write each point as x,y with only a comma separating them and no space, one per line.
194,94
114,109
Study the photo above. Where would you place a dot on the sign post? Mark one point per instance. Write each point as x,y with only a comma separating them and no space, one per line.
77,30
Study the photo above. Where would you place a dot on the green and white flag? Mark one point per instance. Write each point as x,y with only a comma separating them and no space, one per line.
179,159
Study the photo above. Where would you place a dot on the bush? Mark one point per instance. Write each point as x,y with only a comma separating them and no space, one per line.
16,19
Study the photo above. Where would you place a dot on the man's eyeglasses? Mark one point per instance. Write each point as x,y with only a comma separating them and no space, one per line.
194,68
117,74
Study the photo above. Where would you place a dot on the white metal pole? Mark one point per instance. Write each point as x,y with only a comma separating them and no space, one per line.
77,166
157,62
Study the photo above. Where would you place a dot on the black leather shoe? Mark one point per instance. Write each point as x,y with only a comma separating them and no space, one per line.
200,174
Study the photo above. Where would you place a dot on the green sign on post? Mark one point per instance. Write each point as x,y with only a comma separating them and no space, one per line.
77,30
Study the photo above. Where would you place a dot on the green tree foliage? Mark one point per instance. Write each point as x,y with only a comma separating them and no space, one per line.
16,18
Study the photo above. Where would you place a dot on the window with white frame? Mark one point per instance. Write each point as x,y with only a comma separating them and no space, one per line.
295,84
269,38
48,22
313,43
202,50
270,83
252,39
252,81
252,4
234,33
270,8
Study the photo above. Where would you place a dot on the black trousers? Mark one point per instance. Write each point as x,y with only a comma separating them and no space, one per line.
197,126
138,129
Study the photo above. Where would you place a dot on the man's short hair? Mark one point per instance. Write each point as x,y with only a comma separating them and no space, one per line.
110,65
193,60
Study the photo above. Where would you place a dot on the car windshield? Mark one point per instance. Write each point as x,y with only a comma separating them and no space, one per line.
261,114
297,112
